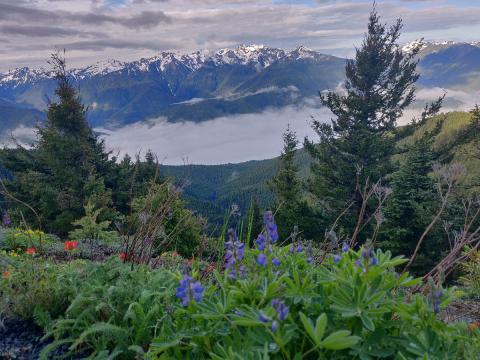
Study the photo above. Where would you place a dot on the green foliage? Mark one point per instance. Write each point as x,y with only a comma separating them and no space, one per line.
336,311
89,228
37,288
349,307
116,312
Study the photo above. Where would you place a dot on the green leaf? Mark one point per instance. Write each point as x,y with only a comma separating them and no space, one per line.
159,346
367,322
320,327
339,340
308,325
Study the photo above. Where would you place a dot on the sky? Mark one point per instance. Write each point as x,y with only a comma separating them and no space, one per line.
96,30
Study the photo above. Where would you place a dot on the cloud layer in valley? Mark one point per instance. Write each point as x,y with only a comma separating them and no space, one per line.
92,30
235,138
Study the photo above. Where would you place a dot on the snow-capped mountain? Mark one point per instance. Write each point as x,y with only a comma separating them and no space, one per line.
205,84
193,86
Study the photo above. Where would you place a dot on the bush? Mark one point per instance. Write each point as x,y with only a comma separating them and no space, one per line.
19,239
88,228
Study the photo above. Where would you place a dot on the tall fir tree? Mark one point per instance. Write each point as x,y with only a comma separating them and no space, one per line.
71,154
358,144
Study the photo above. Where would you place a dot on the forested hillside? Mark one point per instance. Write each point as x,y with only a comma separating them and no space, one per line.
212,189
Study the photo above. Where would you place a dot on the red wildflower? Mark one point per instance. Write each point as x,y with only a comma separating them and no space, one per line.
174,253
6,274
122,256
69,245
31,251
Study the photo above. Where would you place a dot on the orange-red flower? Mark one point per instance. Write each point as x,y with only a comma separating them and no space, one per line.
122,256
70,245
174,253
473,326
6,274
31,251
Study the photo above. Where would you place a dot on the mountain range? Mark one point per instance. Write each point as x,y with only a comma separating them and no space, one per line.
208,84
197,86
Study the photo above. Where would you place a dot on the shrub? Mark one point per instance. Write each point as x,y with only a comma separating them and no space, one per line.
16,238
88,228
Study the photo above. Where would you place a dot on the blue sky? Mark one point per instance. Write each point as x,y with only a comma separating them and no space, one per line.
93,30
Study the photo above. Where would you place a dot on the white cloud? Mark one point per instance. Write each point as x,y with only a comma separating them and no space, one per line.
227,139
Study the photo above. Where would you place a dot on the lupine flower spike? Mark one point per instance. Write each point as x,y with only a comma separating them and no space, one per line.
188,290
272,229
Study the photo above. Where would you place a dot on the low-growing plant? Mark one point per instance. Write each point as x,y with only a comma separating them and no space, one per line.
31,285
16,238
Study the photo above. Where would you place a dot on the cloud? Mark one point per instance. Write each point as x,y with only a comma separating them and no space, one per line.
41,31
226,139
331,26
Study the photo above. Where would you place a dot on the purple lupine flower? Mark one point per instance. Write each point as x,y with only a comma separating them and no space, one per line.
437,296
374,261
345,247
240,246
336,258
276,262
299,248
242,271
235,249
280,308
260,242
189,290
238,312
263,318
309,259
229,259
358,262
232,274
269,222
6,220
197,290
262,260
275,325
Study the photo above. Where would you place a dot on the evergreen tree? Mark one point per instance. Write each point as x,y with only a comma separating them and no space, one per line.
358,144
286,185
70,153
413,203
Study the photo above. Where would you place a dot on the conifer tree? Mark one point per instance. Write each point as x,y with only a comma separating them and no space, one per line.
286,184
413,202
358,143
70,156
